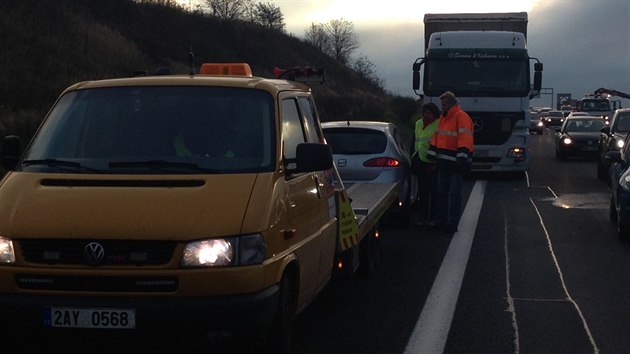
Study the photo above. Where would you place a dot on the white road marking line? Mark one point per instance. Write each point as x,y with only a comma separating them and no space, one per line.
564,286
431,330
508,290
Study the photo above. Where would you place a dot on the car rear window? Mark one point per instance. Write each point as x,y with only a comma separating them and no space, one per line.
355,141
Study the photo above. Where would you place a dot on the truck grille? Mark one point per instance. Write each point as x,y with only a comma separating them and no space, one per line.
494,128
96,252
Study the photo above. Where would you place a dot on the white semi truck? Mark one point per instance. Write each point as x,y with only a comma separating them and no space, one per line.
483,59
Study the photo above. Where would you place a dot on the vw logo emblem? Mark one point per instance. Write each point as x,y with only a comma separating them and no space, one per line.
478,124
93,253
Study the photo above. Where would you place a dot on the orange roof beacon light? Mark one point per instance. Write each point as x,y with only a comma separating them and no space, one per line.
306,75
233,69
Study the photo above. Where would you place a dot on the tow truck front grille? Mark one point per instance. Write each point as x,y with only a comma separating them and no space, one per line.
101,284
96,252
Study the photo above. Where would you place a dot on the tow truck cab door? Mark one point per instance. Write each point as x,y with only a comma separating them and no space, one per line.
308,196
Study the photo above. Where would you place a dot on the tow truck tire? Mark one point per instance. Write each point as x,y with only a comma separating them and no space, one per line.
370,255
281,338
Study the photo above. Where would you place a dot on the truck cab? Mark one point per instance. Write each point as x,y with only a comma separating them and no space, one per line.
202,204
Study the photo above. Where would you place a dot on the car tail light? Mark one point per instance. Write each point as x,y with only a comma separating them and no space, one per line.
382,162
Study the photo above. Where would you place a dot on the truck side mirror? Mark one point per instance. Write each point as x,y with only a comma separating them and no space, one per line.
605,130
11,152
538,67
311,157
416,75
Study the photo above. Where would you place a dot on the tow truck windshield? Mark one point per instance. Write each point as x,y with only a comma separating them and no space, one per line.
157,129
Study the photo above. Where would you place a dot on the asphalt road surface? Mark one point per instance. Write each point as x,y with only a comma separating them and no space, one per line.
544,273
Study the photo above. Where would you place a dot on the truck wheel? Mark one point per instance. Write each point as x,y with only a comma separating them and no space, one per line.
281,338
370,254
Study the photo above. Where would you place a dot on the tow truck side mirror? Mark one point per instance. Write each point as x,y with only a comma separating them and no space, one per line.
311,157
11,152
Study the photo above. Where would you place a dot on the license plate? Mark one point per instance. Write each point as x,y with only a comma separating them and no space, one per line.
589,148
72,317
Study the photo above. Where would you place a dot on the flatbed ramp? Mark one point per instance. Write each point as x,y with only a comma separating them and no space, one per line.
370,201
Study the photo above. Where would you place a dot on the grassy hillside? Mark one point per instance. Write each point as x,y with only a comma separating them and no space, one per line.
49,44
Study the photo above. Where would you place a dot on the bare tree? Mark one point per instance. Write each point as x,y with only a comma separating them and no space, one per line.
367,70
269,15
228,9
317,36
343,39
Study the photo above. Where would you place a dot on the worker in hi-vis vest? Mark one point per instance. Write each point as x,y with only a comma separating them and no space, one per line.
452,148
425,168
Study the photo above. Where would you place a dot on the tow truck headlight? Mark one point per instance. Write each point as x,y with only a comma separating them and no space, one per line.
223,252
7,253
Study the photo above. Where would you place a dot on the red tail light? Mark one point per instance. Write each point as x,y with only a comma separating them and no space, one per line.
382,162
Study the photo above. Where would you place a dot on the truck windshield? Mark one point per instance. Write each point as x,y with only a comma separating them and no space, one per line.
477,74
187,129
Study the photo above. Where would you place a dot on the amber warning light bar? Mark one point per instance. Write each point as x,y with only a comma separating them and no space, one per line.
306,75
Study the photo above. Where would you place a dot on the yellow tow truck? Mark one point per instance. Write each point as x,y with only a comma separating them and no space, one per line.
206,206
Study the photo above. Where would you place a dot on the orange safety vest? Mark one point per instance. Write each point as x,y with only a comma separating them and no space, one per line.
453,138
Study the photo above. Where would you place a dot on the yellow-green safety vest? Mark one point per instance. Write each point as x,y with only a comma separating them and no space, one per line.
423,138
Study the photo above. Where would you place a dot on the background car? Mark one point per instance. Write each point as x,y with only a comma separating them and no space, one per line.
612,137
371,151
619,181
566,109
578,114
536,125
554,118
578,137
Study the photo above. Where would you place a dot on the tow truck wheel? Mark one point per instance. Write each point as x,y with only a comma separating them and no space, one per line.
370,254
281,339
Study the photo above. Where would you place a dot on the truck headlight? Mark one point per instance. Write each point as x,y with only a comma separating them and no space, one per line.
567,141
222,252
7,253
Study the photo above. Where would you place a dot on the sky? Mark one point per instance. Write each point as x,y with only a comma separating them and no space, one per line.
583,44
